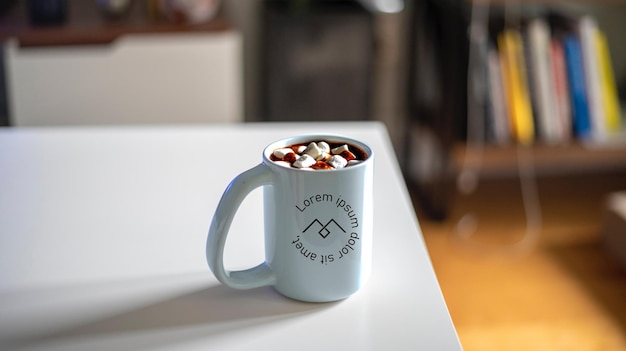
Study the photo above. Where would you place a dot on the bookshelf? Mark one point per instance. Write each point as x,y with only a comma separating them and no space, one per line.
446,126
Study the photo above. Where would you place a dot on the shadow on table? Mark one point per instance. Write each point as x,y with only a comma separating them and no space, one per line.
211,311
598,272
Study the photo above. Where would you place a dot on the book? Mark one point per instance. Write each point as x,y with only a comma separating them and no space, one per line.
587,32
496,100
607,86
559,77
514,78
542,81
577,88
530,75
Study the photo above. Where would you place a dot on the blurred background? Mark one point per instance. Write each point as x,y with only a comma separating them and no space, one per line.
507,118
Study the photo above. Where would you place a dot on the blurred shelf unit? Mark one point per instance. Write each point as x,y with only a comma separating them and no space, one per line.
574,158
536,77
93,70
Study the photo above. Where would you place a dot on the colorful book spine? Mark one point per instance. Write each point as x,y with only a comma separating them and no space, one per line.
559,77
587,31
607,85
497,101
514,78
577,88
542,81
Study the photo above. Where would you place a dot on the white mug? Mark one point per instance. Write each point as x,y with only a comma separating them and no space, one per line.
318,226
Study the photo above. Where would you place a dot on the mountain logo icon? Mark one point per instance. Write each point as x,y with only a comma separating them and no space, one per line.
324,230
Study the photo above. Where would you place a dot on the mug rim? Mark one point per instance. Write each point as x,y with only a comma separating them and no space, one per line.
317,137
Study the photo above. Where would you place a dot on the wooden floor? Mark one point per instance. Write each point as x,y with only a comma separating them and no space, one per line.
565,293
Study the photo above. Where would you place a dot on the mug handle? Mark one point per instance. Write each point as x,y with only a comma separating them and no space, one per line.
234,194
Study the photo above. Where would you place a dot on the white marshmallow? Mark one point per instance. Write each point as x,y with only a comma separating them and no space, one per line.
340,149
337,161
300,149
323,157
304,161
324,147
353,162
313,150
281,153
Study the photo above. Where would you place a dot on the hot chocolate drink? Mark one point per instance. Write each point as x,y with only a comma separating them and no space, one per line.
320,155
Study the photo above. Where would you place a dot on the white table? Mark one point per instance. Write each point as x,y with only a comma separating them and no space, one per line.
102,238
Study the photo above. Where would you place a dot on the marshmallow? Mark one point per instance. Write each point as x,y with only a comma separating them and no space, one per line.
337,161
324,147
313,150
300,149
304,161
353,162
281,153
323,157
338,150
